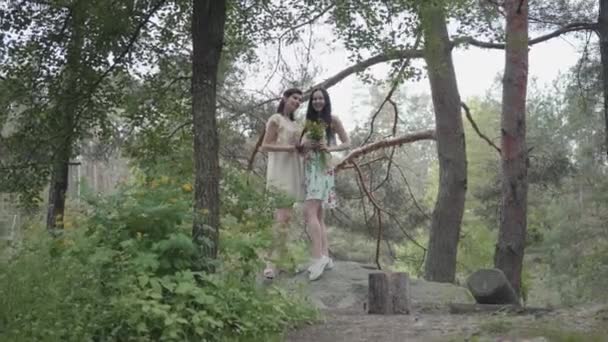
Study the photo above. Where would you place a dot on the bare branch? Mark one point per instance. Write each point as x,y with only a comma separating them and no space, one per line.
389,95
404,139
381,58
377,209
393,148
409,189
379,239
364,64
178,128
130,44
308,22
375,160
573,27
476,128
118,60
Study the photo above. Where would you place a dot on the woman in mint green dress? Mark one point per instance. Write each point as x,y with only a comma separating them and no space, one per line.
319,177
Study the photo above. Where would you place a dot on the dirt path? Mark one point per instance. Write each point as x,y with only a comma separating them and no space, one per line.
341,293
349,327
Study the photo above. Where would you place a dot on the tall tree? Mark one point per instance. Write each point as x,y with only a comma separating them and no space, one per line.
208,19
447,216
603,35
514,154
63,68
63,116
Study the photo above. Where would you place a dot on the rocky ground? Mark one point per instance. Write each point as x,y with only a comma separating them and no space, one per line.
341,297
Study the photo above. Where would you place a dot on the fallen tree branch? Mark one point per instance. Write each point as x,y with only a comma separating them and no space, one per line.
400,140
476,128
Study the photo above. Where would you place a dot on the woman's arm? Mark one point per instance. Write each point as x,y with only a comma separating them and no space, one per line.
271,135
344,138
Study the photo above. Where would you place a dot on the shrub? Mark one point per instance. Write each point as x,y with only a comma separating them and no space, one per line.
130,272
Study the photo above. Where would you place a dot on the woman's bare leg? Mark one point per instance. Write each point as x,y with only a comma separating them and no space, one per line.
282,218
311,208
278,248
324,241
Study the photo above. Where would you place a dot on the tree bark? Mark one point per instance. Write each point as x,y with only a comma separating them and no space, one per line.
63,124
509,252
58,187
603,35
208,19
388,293
440,263
390,142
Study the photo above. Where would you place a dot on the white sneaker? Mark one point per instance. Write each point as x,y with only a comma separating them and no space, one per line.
330,264
316,269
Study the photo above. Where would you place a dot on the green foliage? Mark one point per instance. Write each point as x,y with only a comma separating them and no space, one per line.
63,79
49,295
129,272
410,258
315,130
476,247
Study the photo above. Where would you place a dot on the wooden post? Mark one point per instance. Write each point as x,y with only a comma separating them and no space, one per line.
378,297
400,286
388,293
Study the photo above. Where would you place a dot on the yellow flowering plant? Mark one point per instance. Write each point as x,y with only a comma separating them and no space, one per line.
316,133
315,130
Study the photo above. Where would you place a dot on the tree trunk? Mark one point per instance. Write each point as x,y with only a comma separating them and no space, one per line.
208,20
603,34
388,293
58,188
509,253
440,264
64,115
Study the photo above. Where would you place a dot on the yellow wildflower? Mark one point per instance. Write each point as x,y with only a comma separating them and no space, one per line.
187,187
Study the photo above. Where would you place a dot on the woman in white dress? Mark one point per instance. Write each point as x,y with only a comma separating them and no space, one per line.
285,173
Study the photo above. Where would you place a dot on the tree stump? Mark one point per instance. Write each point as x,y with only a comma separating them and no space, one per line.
388,293
490,286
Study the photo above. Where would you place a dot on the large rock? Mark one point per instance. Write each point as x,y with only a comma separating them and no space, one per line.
346,288
490,286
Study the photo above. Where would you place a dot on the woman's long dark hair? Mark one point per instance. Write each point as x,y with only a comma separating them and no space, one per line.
323,116
287,93
280,108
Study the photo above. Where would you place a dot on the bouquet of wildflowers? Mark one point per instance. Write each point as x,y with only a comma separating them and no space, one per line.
315,130
316,133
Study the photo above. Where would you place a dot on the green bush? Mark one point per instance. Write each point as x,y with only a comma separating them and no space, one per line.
129,273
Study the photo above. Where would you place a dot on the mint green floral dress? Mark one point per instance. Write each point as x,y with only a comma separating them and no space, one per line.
319,178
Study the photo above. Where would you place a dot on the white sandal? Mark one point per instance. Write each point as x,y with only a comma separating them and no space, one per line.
268,273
